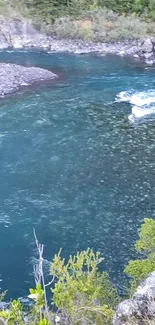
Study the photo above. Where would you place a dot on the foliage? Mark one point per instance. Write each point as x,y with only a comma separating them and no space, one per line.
76,6
145,245
57,8
2,295
81,292
146,242
14,314
38,295
101,25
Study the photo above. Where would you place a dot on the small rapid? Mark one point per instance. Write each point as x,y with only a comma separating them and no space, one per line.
142,104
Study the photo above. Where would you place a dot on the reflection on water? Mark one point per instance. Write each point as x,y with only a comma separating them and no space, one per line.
72,166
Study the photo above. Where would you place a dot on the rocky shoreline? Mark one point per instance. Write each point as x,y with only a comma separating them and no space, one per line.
142,50
20,33
13,77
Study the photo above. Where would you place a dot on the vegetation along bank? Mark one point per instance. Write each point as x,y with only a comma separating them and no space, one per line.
119,27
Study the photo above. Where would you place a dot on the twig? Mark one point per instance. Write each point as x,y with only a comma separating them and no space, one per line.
39,273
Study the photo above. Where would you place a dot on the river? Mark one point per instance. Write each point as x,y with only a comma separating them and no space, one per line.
74,163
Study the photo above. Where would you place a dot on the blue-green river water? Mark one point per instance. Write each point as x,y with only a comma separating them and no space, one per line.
73,164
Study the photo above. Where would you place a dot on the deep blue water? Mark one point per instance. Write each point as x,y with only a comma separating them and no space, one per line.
72,165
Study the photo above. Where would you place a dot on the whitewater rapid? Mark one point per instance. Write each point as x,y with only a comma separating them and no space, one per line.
143,104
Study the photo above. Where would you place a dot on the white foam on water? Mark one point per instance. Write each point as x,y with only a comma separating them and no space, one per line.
13,51
143,98
141,112
124,96
143,103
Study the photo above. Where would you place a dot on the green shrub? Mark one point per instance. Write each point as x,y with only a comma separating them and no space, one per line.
80,291
145,245
102,25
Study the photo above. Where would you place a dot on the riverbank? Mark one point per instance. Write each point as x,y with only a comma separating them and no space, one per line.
21,33
13,77
142,50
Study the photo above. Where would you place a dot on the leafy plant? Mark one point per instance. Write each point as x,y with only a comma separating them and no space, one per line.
145,245
80,291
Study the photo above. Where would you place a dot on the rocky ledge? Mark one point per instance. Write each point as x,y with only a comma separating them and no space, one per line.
140,309
13,77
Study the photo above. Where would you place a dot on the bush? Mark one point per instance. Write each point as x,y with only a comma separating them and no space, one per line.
80,293
145,245
101,25
65,27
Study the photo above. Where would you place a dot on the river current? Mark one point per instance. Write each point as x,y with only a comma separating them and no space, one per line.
77,162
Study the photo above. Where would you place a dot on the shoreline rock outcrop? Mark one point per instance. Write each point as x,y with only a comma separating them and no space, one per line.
13,77
141,307
21,33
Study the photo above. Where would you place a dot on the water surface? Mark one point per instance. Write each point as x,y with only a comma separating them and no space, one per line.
72,165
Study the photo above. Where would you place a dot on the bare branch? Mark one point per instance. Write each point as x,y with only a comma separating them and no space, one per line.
39,273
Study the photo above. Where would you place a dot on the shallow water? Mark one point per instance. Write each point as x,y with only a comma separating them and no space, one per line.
72,164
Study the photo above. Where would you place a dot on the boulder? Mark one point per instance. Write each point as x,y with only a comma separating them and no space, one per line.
19,33
140,307
3,42
147,55
147,46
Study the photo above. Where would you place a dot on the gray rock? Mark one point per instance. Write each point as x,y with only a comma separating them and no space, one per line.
142,305
153,40
3,41
136,56
147,46
13,77
147,55
19,33
147,288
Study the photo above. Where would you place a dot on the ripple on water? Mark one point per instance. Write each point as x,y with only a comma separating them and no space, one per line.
5,219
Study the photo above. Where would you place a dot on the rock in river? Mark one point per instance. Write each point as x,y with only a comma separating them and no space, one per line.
13,77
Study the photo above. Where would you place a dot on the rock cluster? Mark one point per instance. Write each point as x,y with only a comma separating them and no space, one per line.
13,76
141,307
